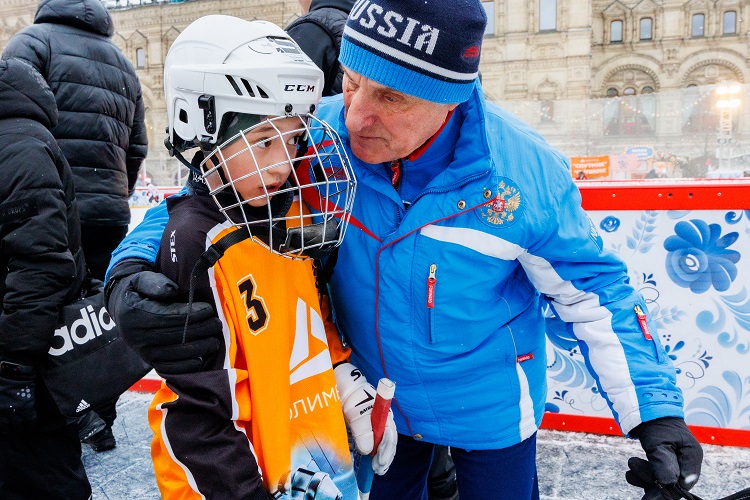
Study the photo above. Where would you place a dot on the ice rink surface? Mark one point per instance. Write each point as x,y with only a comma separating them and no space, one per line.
572,466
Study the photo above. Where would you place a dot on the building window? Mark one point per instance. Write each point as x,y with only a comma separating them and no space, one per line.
547,15
547,111
489,9
730,23
631,114
698,27
646,25
615,32
140,58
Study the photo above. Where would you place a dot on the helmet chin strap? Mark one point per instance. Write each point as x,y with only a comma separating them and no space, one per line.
176,152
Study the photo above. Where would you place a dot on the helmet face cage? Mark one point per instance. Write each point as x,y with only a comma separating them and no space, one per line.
305,217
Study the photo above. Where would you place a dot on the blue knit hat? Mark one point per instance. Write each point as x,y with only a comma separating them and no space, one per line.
425,48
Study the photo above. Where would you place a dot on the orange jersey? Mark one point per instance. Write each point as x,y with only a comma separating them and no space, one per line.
267,405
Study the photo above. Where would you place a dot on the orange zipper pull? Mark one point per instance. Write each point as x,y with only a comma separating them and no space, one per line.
431,280
642,321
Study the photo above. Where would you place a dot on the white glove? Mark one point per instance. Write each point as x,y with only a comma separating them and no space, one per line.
357,397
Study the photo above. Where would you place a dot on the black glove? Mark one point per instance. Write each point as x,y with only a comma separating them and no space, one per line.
141,303
674,459
17,395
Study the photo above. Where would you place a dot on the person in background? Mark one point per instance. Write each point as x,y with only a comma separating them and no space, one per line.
41,269
100,130
318,33
465,225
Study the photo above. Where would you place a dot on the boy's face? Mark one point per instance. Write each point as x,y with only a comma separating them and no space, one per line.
259,161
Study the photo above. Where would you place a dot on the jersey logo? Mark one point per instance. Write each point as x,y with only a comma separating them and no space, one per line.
505,208
310,354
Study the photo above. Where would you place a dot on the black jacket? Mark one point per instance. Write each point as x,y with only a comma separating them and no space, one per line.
41,263
318,33
100,129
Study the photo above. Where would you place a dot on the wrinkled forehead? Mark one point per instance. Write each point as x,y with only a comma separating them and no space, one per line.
379,89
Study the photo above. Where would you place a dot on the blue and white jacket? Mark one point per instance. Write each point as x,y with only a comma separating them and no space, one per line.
445,298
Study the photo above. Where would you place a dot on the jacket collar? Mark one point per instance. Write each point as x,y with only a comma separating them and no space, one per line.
345,5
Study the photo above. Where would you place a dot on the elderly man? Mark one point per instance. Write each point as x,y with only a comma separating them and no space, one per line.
465,221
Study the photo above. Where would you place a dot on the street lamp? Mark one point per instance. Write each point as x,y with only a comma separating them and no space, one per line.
728,99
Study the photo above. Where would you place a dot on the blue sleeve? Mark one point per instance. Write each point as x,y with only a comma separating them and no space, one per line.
589,289
143,241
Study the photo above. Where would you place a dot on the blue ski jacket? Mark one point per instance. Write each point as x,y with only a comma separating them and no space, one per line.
445,298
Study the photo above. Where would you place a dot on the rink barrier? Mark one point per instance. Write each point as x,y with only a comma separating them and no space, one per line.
699,196
654,195
608,426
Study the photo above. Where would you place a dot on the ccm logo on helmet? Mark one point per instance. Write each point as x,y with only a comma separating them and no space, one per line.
87,327
299,88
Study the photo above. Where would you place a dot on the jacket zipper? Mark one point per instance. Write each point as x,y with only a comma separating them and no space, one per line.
431,283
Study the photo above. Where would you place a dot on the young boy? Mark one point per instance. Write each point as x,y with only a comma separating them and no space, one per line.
260,418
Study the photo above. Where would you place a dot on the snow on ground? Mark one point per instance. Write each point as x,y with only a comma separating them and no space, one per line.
572,466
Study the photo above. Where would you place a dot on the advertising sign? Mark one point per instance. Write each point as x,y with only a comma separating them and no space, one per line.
589,167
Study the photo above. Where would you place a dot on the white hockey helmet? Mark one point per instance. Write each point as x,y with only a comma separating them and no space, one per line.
225,79
222,64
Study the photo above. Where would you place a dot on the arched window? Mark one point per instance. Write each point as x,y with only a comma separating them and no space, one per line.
140,58
630,114
615,32
729,26
698,115
547,15
646,28
698,26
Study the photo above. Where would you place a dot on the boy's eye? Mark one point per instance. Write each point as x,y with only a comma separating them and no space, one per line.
262,144
294,140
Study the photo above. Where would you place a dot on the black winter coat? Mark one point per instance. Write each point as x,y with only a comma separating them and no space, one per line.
318,33
100,127
41,262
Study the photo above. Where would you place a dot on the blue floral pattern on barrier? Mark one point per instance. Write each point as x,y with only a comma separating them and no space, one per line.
693,270
699,257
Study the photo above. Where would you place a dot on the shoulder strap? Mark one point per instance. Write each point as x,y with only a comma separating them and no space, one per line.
207,261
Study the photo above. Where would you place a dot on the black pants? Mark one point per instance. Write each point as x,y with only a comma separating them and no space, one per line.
441,481
44,462
98,243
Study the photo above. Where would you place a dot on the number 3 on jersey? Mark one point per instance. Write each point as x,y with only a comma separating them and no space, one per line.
255,307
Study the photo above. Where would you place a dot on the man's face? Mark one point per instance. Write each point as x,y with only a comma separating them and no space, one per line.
385,124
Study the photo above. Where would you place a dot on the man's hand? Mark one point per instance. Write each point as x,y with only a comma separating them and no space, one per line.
357,398
674,459
17,395
142,304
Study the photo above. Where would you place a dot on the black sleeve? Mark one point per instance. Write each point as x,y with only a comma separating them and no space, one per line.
32,46
138,144
34,238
